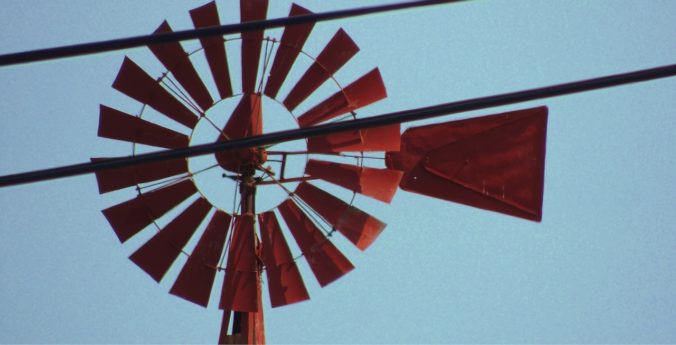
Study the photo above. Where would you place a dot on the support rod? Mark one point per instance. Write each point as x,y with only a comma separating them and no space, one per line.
375,121
139,41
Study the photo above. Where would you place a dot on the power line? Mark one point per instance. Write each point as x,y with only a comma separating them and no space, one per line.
139,41
375,121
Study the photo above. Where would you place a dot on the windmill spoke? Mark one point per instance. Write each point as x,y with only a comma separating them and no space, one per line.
173,180
177,62
287,180
304,207
337,154
267,55
221,262
220,130
161,184
173,87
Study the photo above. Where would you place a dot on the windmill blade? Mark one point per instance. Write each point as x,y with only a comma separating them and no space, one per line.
157,255
214,48
364,91
492,162
291,44
251,10
110,180
356,225
285,285
335,142
337,53
284,280
376,139
114,124
132,81
240,288
176,60
196,279
380,184
131,216
326,262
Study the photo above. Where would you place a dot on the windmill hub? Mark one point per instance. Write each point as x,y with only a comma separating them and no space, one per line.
239,160
267,163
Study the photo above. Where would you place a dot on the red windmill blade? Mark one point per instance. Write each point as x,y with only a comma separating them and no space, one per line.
245,243
214,48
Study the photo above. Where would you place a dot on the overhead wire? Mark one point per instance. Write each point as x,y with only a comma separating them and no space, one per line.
139,41
363,123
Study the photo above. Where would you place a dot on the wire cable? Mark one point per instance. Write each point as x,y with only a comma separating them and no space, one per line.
363,123
139,41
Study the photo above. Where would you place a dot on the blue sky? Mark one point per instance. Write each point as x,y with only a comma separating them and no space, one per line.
598,269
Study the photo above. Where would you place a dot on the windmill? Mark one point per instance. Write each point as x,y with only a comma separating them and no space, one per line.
495,162
360,265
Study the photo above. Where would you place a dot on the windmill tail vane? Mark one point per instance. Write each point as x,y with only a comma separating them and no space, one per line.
493,162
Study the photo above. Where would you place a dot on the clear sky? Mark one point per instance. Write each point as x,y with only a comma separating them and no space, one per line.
599,268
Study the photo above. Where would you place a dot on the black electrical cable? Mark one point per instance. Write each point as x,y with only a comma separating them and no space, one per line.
375,121
139,41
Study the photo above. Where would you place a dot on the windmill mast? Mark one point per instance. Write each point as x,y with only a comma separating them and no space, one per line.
247,327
